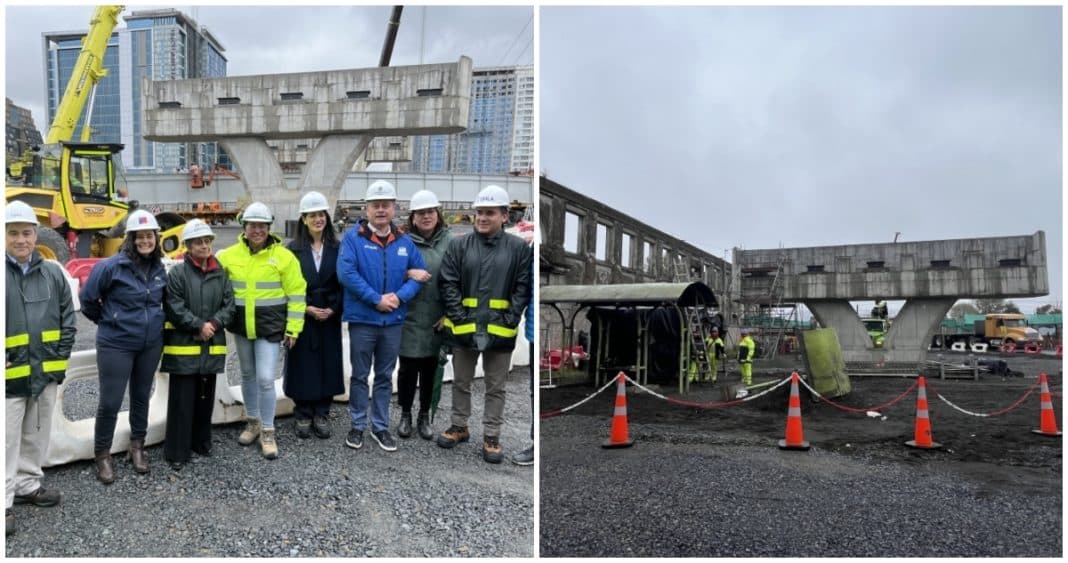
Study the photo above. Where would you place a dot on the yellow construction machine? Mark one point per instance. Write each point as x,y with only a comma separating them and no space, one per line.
78,189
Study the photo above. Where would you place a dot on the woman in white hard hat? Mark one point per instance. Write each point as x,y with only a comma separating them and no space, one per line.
124,297
199,303
269,294
314,371
421,336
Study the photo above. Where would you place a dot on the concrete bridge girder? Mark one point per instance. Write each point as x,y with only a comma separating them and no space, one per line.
260,171
906,341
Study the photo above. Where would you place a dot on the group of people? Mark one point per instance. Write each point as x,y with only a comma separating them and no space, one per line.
413,292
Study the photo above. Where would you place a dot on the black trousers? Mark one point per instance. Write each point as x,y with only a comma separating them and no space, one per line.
412,371
189,406
306,410
115,369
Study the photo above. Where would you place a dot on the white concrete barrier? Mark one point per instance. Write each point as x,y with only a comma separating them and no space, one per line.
959,347
72,440
979,347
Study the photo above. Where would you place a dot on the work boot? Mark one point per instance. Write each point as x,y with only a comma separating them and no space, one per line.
304,428
492,451
105,471
454,435
267,444
250,433
138,456
9,522
40,497
405,428
321,427
423,426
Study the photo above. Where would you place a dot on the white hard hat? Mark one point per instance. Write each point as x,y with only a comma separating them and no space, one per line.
313,201
256,212
424,199
20,212
196,228
380,189
141,220
491,196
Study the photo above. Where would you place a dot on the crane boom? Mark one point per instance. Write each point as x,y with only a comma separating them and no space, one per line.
88,70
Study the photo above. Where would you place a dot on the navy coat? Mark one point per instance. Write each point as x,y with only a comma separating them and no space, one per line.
314,368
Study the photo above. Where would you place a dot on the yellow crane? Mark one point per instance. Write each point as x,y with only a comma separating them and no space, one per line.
78,189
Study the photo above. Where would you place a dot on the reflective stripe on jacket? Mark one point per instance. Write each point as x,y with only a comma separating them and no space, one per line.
485,285
39,327
195,297
268,289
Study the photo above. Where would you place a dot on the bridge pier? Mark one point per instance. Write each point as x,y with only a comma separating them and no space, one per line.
906,341
260,172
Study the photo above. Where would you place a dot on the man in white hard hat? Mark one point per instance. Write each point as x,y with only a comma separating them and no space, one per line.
373,267
485,284
39,334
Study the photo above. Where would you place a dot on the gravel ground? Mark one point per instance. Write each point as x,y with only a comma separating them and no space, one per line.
319,498
711,483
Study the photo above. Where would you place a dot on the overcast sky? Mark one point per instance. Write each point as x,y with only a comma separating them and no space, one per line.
279,39
756,126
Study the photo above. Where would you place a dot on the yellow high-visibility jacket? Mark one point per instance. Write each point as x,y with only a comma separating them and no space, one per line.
269,290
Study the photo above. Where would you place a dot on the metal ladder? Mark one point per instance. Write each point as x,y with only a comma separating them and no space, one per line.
775,303
698,350
682,272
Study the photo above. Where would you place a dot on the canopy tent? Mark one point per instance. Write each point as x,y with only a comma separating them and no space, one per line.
638,328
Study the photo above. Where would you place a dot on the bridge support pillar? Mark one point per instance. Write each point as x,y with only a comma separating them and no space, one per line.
906,341
328,165
261,175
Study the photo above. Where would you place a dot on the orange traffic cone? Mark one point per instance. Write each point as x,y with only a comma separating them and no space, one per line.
795,439
922,438
1048,420
619,438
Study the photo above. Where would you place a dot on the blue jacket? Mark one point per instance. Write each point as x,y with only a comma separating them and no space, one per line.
368,270
530,305
126,305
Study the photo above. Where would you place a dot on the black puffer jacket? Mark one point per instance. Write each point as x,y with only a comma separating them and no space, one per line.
195,296
485,284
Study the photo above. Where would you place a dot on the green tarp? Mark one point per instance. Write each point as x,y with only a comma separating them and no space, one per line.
826,366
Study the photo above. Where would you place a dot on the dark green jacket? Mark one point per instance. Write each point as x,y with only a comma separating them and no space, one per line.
196,296
485,286
418,338
39,327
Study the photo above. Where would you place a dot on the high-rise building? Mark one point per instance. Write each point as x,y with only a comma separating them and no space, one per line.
156,44
22,133
500,129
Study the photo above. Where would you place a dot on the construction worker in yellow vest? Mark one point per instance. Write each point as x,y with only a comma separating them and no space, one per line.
746,351
714,347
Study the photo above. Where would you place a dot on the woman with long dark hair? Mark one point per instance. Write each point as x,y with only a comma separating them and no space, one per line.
124,297
421,336
314,371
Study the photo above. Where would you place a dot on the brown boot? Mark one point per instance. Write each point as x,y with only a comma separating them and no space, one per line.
138,456
105,472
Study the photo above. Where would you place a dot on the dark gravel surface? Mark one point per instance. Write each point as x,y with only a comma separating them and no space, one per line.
319,498
711,483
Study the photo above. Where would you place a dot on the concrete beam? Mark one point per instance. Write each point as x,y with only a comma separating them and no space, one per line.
994,267
402,100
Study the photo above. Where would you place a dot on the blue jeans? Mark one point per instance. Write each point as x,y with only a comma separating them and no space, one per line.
259,369
380,344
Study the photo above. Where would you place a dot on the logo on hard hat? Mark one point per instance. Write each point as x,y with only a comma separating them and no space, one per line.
142,220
